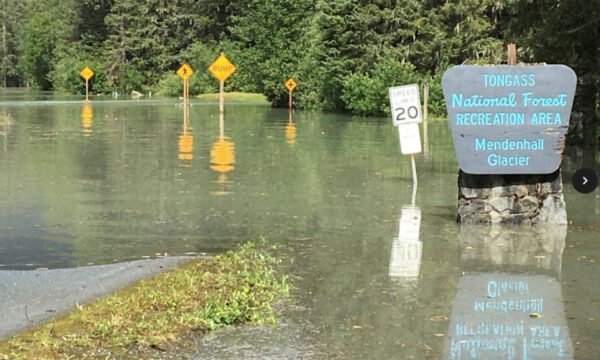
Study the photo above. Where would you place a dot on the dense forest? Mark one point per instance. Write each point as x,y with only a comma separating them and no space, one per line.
343,54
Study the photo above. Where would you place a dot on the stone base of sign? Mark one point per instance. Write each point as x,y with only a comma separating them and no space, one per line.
515,199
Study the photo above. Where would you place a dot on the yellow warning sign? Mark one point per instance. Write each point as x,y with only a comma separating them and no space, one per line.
86,73
290,84
221,68
185,71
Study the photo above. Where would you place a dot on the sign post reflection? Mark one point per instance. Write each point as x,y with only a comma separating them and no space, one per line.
186,142
407,248
290,129
87,113
222,157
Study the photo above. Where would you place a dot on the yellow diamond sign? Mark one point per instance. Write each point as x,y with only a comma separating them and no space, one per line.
221,68
290,84
185,71
86,73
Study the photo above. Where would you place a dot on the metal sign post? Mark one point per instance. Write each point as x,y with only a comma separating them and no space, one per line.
86,73
184,72
290,84
406,115
221,68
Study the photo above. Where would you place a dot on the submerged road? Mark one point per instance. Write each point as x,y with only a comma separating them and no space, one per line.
32,296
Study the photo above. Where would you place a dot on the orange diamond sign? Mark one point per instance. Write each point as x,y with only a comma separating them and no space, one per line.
221,68
185,71
86,73
290,84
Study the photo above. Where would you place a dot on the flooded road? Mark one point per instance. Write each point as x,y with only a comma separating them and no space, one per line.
376,276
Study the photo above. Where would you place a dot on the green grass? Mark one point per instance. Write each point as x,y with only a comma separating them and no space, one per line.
238,287
236,96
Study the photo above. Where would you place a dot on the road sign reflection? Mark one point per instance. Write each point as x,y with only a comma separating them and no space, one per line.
185,144
87,113
508,303
222,158
290,129
407,249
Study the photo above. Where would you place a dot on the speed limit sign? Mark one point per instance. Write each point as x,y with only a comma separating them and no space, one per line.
405,104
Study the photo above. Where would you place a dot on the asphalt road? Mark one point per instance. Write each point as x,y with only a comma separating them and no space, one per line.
33,296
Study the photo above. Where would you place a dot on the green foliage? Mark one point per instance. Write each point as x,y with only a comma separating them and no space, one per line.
37,53
237,287
436,105
199,56
12,19
574,40
170,85
270,41
367,94
331,48
469,27
130,79
339,47
65,75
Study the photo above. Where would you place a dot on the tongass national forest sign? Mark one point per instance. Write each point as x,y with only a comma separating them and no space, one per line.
509,119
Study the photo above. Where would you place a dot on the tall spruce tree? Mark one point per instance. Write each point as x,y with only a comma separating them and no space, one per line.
338,47
46,36
470,26
12,21
565,33
270,37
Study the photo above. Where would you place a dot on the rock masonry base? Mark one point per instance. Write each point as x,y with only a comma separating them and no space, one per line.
515,199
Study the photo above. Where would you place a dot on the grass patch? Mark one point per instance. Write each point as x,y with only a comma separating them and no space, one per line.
237,287
237,96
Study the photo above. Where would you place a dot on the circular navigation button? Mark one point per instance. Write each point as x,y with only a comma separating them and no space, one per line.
585,180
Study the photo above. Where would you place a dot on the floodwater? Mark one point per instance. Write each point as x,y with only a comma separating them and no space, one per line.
376,275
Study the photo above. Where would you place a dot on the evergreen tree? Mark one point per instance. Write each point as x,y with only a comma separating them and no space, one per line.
120,43
46,37
469,26
39,42
12,19
338,48
573,40
147,39
341,53
89,28
271,46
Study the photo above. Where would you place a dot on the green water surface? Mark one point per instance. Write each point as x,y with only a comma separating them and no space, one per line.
105,181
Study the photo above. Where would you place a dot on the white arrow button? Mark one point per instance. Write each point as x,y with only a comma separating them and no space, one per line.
585,180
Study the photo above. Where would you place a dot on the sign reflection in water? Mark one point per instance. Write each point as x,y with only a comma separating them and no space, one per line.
514,314
222,158
186,142
407,249
5,122
87,113
290,129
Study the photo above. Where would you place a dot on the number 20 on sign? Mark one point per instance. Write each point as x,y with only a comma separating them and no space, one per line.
406,115
405,104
